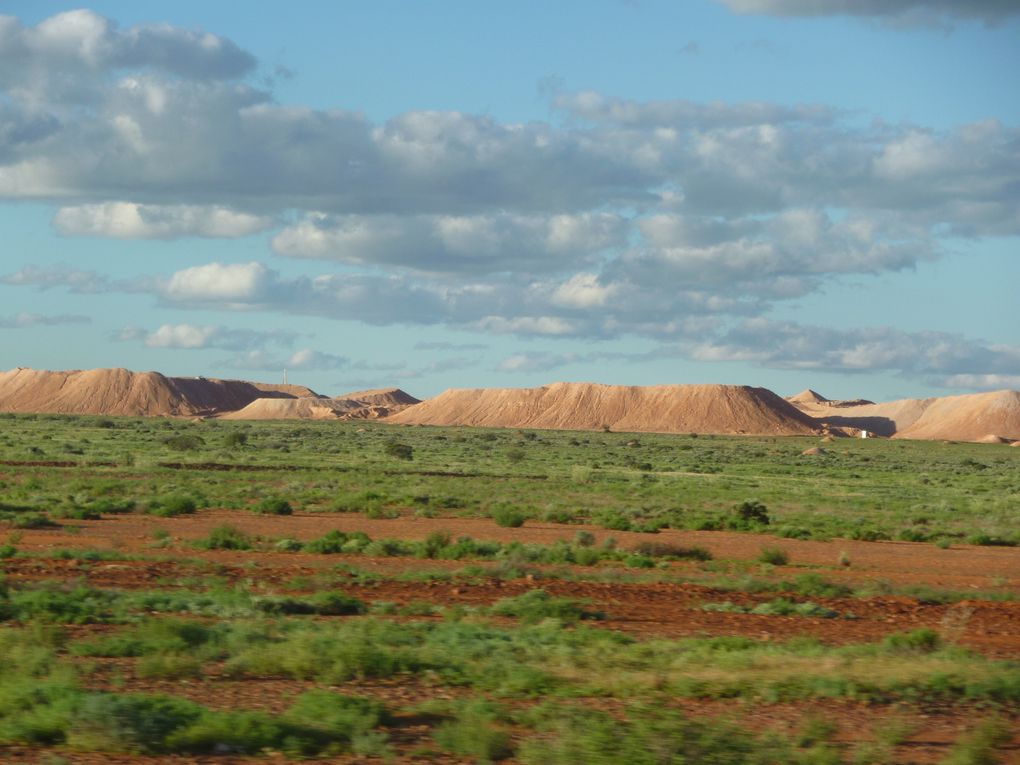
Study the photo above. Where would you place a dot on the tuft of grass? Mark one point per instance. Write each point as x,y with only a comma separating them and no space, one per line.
774,556
978,746
172,505
535,605
475,732
225,537
508,517
656,549
274,506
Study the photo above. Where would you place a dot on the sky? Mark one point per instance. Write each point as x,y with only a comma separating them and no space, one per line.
784,193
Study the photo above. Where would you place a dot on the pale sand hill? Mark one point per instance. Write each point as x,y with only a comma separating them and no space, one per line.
589,406
122,392
389,397
971,417
882,419
807,396
361,405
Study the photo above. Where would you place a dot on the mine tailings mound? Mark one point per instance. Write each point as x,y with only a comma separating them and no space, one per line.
720,409
360,405
807,396
123,392
981,417
971,417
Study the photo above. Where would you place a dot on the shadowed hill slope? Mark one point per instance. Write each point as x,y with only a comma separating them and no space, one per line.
969,417
588,406
361,405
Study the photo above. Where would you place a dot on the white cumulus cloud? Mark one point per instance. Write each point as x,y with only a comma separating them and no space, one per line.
128,220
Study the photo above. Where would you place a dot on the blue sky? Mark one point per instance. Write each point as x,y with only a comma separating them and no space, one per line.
786,193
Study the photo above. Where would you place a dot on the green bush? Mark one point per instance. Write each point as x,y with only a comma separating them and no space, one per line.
342,717
752,512
475,732
225,537
535,605
274,506
774,556
655,549
64,605
34,521
288,545
142,724
237,438
918,641
322,603
508,517
399,450
184,443
172,505
581,737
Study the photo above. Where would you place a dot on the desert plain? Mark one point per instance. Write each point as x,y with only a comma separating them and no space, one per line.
222,571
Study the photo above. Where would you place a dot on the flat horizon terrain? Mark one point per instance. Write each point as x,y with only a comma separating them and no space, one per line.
352,591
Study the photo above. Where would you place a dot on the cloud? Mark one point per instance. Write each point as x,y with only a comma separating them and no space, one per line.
72,48
536,362
983,382
231,283
192,336
927,12
775,257
74,280
305,359
680,114
458,244
127,220
932,355
445,346
23,320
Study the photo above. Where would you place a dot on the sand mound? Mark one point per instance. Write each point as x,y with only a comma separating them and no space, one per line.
969,417
392,398
361,405
813,451
882,419
807,396
721,409
122,392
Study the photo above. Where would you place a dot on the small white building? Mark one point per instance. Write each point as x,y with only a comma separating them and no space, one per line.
865,434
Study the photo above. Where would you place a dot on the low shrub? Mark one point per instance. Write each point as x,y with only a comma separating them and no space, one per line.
475,732
225,537
274,506
918,641
172,505
399,450
535,605
774,556
184,443
508,517
655,549
752,512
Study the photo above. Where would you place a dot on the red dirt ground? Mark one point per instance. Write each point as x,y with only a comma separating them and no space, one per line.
666,609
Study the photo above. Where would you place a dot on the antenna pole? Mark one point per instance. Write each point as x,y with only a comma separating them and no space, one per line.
284,375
